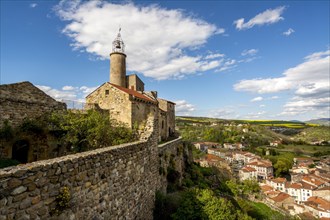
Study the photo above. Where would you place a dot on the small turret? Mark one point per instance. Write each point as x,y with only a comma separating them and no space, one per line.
118,62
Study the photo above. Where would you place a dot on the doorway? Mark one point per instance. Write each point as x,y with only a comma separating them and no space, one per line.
20,151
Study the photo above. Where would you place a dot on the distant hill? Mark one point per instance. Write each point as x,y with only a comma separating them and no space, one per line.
320,121
269,123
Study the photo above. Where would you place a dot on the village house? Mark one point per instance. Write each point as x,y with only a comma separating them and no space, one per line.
217,152
317,206
282,200
277,183
203,146
247,173
264,168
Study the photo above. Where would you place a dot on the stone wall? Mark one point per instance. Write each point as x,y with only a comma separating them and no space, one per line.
117,182
113,99
23,100
171,155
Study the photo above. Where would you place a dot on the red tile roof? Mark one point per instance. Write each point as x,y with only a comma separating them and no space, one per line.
318,203
210,158
248,169
312,180
134,93
281,197
266,188
279,180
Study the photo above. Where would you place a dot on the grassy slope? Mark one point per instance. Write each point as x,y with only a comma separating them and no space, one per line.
314,134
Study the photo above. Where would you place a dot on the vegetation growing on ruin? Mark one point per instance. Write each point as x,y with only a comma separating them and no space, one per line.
84,131
71,131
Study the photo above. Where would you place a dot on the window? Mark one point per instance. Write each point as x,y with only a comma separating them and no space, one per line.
107,92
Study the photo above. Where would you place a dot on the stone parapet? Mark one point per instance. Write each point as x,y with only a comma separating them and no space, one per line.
108,183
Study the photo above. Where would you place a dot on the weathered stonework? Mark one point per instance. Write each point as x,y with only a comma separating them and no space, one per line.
23,100
117,182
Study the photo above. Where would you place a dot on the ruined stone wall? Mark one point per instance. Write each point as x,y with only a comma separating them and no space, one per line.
117,102
117,182
23,100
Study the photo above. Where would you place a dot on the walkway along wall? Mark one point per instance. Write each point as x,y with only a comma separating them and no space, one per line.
117,182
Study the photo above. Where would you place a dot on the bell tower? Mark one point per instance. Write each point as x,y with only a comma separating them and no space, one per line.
118,62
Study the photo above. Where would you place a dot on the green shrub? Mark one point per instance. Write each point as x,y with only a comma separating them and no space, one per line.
8,162
6,131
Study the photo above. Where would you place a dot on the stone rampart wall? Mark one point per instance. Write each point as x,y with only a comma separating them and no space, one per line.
117,182
171,156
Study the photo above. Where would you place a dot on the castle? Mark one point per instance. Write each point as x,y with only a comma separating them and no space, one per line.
125,99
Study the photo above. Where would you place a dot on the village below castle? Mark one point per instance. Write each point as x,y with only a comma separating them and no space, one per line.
307,193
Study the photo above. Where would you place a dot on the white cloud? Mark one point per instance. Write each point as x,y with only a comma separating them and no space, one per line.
267,17
214,55
68,93
300,105
314,71
182,107
226,65
308,80
33,5
257,99
86,90
68,88
288,32
250,52
156,38
262,106
274,97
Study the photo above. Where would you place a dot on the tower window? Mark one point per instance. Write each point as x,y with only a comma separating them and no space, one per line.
107,92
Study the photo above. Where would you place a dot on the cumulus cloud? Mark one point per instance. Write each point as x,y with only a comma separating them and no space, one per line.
314,71
156,38
33,5
250,52
68,93
288,32
68,88
257,99
214,55
182,107
309,81
269,16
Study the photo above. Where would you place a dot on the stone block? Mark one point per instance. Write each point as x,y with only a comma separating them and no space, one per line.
19,190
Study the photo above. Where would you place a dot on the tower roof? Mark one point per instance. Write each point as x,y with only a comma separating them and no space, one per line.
118,44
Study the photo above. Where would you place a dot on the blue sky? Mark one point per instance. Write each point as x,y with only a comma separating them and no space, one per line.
225,59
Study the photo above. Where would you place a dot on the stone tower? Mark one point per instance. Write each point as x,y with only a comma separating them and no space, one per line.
118,62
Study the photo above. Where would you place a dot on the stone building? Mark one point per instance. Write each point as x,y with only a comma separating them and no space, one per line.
24,100
20,101
125,99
